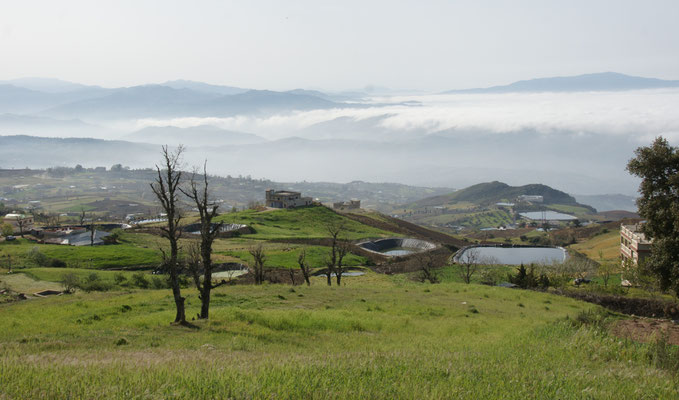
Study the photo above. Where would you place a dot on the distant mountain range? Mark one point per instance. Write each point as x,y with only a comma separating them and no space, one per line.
604,81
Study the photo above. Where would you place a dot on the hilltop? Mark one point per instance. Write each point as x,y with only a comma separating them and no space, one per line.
493,192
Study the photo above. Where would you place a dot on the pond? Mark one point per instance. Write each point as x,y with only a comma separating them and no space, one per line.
514,255
548,215
394,247
398,251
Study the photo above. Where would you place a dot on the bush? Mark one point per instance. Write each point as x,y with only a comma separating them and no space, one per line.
37,257
70,282
57,263
528,278
159,283
139,279
96,286
491,276
119,278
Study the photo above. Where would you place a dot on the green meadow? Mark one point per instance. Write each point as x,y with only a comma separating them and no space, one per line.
377,336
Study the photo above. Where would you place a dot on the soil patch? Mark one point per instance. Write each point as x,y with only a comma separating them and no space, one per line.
652,308
646,330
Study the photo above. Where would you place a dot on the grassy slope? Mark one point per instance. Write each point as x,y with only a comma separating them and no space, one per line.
378,337
608,243
286,256
129,253
306,222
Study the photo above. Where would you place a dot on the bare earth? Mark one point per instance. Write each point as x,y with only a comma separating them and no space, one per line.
646,329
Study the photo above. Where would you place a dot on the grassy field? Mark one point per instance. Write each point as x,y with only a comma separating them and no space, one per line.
306,222
284,255
124,255
377,337
607,243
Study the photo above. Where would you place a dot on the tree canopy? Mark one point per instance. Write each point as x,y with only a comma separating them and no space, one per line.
658,166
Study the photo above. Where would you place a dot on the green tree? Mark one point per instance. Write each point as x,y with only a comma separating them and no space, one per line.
7,229
658,167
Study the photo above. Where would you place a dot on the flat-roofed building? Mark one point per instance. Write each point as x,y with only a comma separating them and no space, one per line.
633,244
286,199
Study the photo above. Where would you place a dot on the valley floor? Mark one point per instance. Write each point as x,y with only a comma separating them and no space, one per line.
377,336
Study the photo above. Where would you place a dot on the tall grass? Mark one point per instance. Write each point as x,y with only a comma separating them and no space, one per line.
377,337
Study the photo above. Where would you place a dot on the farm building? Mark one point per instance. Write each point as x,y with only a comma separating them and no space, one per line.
286,199
353,204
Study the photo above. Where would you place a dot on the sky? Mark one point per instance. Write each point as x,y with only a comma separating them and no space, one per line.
336,45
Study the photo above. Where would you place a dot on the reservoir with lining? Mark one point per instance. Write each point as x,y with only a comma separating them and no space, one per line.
395,247
512,255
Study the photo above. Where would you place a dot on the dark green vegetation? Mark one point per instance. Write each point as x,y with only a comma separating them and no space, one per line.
378,337
658,166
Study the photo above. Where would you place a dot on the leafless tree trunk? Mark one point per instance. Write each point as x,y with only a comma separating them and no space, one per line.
304,266
469,264
208,232
428,264
81,216
291,272
92,231
334,228
21,223
257,253
343,248
166,190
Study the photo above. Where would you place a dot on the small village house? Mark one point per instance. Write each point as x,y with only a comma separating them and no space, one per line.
286,199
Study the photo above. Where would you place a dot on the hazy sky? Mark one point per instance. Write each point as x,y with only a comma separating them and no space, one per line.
427,45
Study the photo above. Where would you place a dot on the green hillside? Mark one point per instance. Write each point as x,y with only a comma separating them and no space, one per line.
300,223
493,192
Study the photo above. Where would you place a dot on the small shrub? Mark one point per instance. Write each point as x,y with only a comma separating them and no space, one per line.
139,280
57,263
125,308
37,257
158,283
121,342
95,285
119,278
70,282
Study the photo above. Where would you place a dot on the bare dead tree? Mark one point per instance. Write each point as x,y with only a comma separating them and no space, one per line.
428,265
21,224
343,249
334,229
304,266
291,272
166,188
207,210
468,264
92,231
259,257
81,216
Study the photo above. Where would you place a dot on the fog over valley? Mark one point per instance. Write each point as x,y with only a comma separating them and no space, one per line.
578,141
